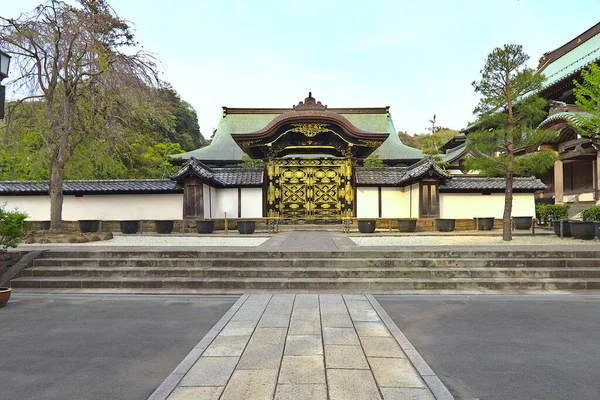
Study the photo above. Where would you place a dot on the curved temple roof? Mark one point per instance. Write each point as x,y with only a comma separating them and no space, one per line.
247,121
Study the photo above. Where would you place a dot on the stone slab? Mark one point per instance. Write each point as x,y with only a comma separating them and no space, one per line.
196,393
304,345
343,357
395,372
341,336
274,321
406,394
227,346
363,315
301,392
300,370
238,328
351,384
210,371
305,327
264,350
371,329
337,321
382,347
251,384
333,308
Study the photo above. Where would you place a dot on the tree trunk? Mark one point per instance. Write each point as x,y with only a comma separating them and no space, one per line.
57,176
508,196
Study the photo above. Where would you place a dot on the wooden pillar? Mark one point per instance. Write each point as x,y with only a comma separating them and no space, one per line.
193,198
597,177
558,182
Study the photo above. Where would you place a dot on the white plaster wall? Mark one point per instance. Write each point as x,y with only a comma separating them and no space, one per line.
252,202
224,200
207,200
470,205
414,199
102,207
367,202
395,202
37,207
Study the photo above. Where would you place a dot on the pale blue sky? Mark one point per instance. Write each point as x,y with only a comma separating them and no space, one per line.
419,57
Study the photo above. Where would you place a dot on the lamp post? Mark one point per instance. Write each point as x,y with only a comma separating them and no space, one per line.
4,66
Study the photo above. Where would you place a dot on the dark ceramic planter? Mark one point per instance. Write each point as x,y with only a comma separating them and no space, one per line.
584,230
407,224
597,226
45,225
445,225
129,227
204,226
163,227
566,228
4,295
89,225
366,225
246,227
485,224
523,223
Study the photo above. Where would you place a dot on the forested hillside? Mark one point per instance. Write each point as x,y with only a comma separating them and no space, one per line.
140,147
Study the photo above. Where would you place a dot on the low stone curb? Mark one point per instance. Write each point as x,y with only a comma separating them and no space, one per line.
165,388
434,383
15,270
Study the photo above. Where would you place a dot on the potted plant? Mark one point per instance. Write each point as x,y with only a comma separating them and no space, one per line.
205,226
164,226
445,224
558,214
586,229
366,225
407,224
12,230
246,227
485,223
523,223
566,227
89,225
129,227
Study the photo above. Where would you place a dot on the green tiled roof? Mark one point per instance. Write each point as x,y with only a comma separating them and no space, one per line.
573,61
224,148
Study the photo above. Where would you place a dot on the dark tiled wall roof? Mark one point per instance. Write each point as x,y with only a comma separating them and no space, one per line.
116,186
490,185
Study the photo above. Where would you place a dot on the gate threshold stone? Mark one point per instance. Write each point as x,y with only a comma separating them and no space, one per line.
303,346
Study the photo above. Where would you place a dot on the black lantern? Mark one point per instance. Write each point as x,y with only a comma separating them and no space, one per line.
4,66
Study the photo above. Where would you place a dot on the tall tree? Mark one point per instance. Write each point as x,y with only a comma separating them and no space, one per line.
77,59
587,93
507,114
431,143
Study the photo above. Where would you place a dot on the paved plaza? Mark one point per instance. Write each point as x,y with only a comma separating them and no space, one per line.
305,346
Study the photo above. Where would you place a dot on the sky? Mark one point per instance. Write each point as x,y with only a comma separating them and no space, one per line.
418,57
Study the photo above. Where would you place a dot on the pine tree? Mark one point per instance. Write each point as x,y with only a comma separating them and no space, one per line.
508,113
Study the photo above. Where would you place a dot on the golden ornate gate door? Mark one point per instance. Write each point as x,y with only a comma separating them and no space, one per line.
310,189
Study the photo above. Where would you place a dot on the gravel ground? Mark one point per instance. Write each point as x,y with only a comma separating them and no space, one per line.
468,240
154,241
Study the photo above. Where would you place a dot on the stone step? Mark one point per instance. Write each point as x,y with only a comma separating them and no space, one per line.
320,272
370,284
321,262
432,253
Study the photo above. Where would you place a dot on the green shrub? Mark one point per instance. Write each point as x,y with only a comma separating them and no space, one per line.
12,227
552,212
591,214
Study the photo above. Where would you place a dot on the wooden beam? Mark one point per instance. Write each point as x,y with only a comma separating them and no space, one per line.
558,182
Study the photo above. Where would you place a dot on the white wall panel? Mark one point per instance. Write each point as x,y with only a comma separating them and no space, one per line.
225,200
395,202
252,202
470,205
367,202
102,207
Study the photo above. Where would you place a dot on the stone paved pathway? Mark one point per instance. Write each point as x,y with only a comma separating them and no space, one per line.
305,346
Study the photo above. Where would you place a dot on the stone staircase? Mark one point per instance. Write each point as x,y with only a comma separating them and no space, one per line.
153,271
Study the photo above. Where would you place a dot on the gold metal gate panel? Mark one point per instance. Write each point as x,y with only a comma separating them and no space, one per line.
310,189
